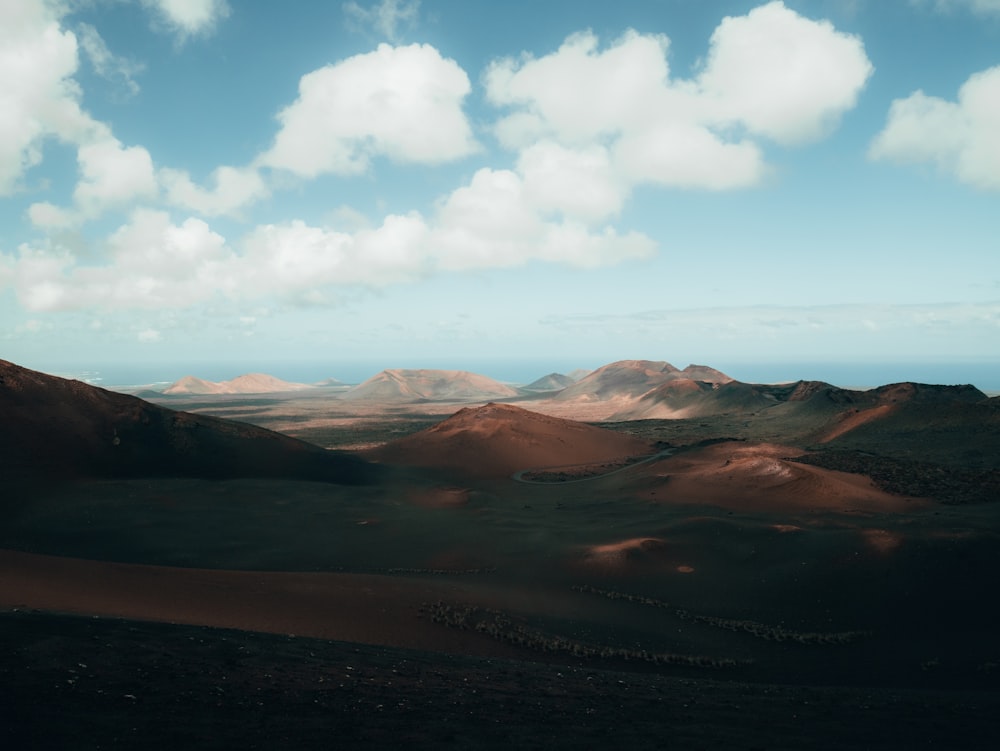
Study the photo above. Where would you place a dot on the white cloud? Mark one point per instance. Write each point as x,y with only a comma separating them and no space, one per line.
781,75
579,94
580,183
148,336
771,73
961,137
38,96
105,63
187,18
490,223
233,189
404,103
111,175
153,263
49,216
385,17
493,223
689,156
39,99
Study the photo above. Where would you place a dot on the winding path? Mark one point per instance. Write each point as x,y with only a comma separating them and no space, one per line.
519,475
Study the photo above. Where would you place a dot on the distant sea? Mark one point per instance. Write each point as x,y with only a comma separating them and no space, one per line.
983,375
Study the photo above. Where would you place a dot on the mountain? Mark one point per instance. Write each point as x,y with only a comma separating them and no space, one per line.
550,382
329,383
684,397
499,439
429,385
955,424
629,379
704,373
63,428
623,378
251,383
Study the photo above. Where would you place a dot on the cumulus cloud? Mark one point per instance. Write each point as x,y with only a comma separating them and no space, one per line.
772,74
580,183
587,125
387,18
404,103
961,137
154,263
494,223
233,188
38,96
39,99
782,76
187,18
105,63
111,174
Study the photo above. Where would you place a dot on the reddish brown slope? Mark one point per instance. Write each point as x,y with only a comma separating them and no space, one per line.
499,439
759,477
62,428
419,385
251,383
629,379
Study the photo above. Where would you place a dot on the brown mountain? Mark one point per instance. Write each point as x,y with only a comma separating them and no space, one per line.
629,379
954,424
401,385
686,397
550,382
251,383
64,428
704,373
499,439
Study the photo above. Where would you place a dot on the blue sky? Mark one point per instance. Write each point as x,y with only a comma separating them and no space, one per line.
449,184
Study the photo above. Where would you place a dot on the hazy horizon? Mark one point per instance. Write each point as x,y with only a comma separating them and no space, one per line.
983,375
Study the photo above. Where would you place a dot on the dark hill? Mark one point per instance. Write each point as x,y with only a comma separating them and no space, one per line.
496,440
62,428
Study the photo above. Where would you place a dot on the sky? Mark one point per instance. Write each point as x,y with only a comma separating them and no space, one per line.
477,185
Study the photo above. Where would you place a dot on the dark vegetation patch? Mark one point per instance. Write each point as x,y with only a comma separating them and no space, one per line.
83,683
951,485
365,432
759,630
504,627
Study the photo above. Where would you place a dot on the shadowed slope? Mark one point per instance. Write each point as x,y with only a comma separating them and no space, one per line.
685,397
64,428
816,411
499,439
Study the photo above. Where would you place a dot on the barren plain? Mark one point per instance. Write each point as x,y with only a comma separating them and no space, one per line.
757,566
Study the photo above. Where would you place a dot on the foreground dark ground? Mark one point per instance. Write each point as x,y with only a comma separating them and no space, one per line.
87,683
726,582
